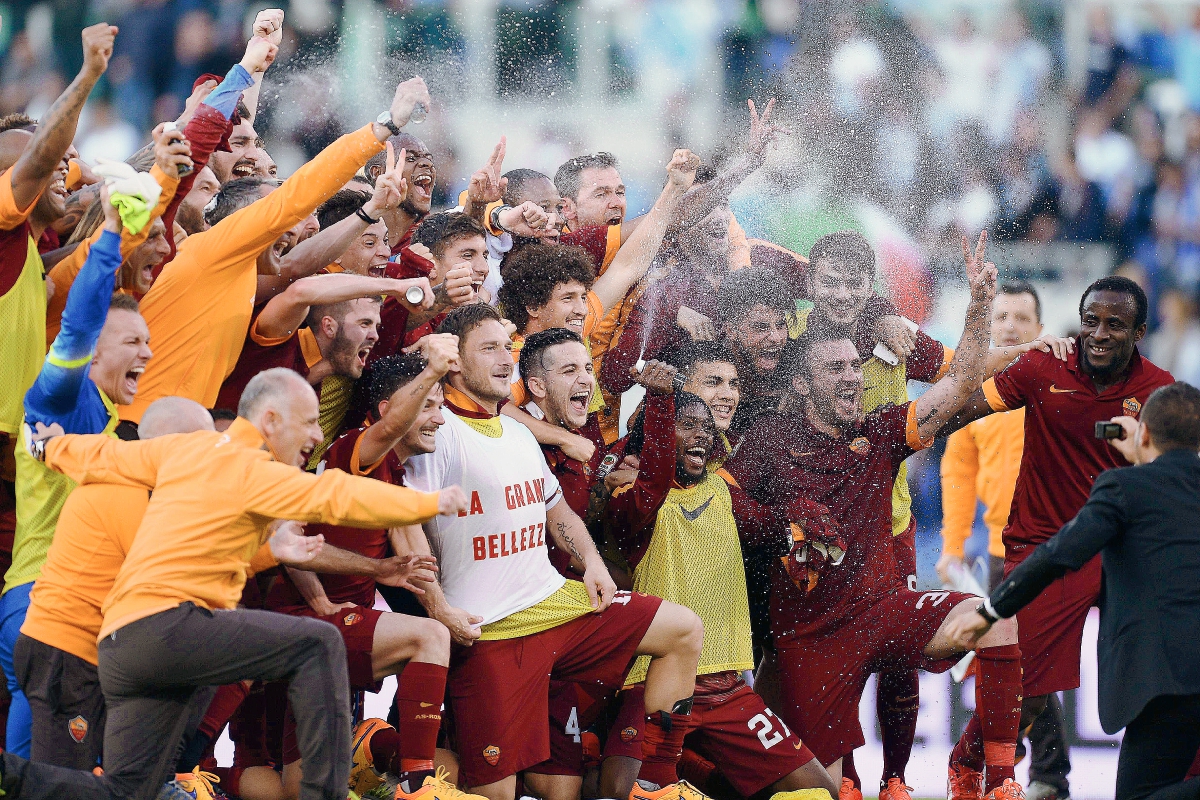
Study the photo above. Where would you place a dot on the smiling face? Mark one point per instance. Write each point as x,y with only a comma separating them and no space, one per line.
1107,333
246,156
121,355
717,383
543,193
368,254
695,434
1014,319
839,293
485,356
347,342
53,202
420,174
759,338
138,269
566,308
422,436
562,390
470,250
601,199
833,386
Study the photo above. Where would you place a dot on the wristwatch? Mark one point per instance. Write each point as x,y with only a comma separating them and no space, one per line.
986,611
385,119
495,217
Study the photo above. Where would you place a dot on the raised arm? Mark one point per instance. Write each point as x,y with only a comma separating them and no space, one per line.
966,374
285,312
56,389
97,458
634,257
269,26
440,351
56,130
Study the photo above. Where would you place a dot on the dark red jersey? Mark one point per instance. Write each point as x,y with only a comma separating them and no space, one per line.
1062,456
357,589
783,457
297,352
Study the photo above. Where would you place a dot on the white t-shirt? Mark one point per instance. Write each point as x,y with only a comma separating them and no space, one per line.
492,560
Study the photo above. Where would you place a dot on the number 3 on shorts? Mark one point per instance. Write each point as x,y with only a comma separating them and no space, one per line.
764,725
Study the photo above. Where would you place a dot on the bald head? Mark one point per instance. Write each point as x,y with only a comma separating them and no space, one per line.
174,415
12,145
283,408
272,388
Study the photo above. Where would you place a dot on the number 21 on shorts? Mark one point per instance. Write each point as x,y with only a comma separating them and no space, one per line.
770,728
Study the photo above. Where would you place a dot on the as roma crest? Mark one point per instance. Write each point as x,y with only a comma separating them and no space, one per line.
78,728
1131,406
491,754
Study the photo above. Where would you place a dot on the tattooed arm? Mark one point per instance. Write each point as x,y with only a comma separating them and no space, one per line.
969,366
568,532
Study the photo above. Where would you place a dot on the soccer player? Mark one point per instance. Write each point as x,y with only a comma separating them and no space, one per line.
536,625
981,464
200,332
94,364
212,497
678,525
839,609
1104,377
712,375
405,396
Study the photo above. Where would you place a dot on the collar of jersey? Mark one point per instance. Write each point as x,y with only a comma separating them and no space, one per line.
464,406
1074,366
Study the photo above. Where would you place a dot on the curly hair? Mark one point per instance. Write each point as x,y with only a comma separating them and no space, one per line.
531,276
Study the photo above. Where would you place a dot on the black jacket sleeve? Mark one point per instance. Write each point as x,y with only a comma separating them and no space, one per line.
1100,519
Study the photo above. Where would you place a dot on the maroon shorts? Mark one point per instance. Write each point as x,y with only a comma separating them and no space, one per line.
905,548
627,728
357,626
574,707
1050,630
822,676
250,730
500,689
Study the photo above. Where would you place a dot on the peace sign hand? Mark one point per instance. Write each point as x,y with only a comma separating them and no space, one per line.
486,184
390,186
762,131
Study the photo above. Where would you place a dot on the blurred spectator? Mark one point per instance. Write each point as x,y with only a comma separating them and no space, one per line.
1080,205
1175,346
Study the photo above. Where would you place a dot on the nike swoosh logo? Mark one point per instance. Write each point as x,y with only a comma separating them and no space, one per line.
692,516
426,705
1055,390
794,454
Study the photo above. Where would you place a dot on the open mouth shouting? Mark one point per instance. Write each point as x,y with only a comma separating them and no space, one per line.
243,168
695,458
131,380
579,402
422,186
845,402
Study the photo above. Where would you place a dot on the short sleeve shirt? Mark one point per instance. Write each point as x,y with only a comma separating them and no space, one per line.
1062,456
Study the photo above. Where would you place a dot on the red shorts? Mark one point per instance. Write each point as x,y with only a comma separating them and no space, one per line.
627,728
500,689
905,548
1050,630
822,676
736,731
249,733
574,707
357,626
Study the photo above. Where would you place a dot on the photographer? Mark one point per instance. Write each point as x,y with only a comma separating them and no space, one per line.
1142,520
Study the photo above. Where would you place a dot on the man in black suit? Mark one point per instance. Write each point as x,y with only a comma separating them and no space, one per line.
1145,520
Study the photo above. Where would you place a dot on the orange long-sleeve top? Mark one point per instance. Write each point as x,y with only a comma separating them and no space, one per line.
95,531
981,462
199,309
213,496
64,272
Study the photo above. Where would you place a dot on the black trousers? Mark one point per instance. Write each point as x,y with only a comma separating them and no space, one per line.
156,673
67,703
1158,748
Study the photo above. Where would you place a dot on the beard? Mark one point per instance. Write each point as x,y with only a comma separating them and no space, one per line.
343,357
482,388
409,208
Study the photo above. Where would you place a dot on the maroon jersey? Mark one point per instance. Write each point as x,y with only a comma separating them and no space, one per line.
298,352
357,589
783,457
1062,456
600,241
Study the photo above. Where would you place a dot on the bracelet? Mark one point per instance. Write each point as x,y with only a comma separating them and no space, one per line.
495,218
365,217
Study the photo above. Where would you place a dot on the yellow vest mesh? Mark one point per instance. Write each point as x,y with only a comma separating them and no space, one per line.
698,563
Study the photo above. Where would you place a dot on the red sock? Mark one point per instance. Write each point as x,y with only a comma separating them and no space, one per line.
695,768
419,695
848,770
385,750
998,706
663,746
897,700
968,751
223,706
